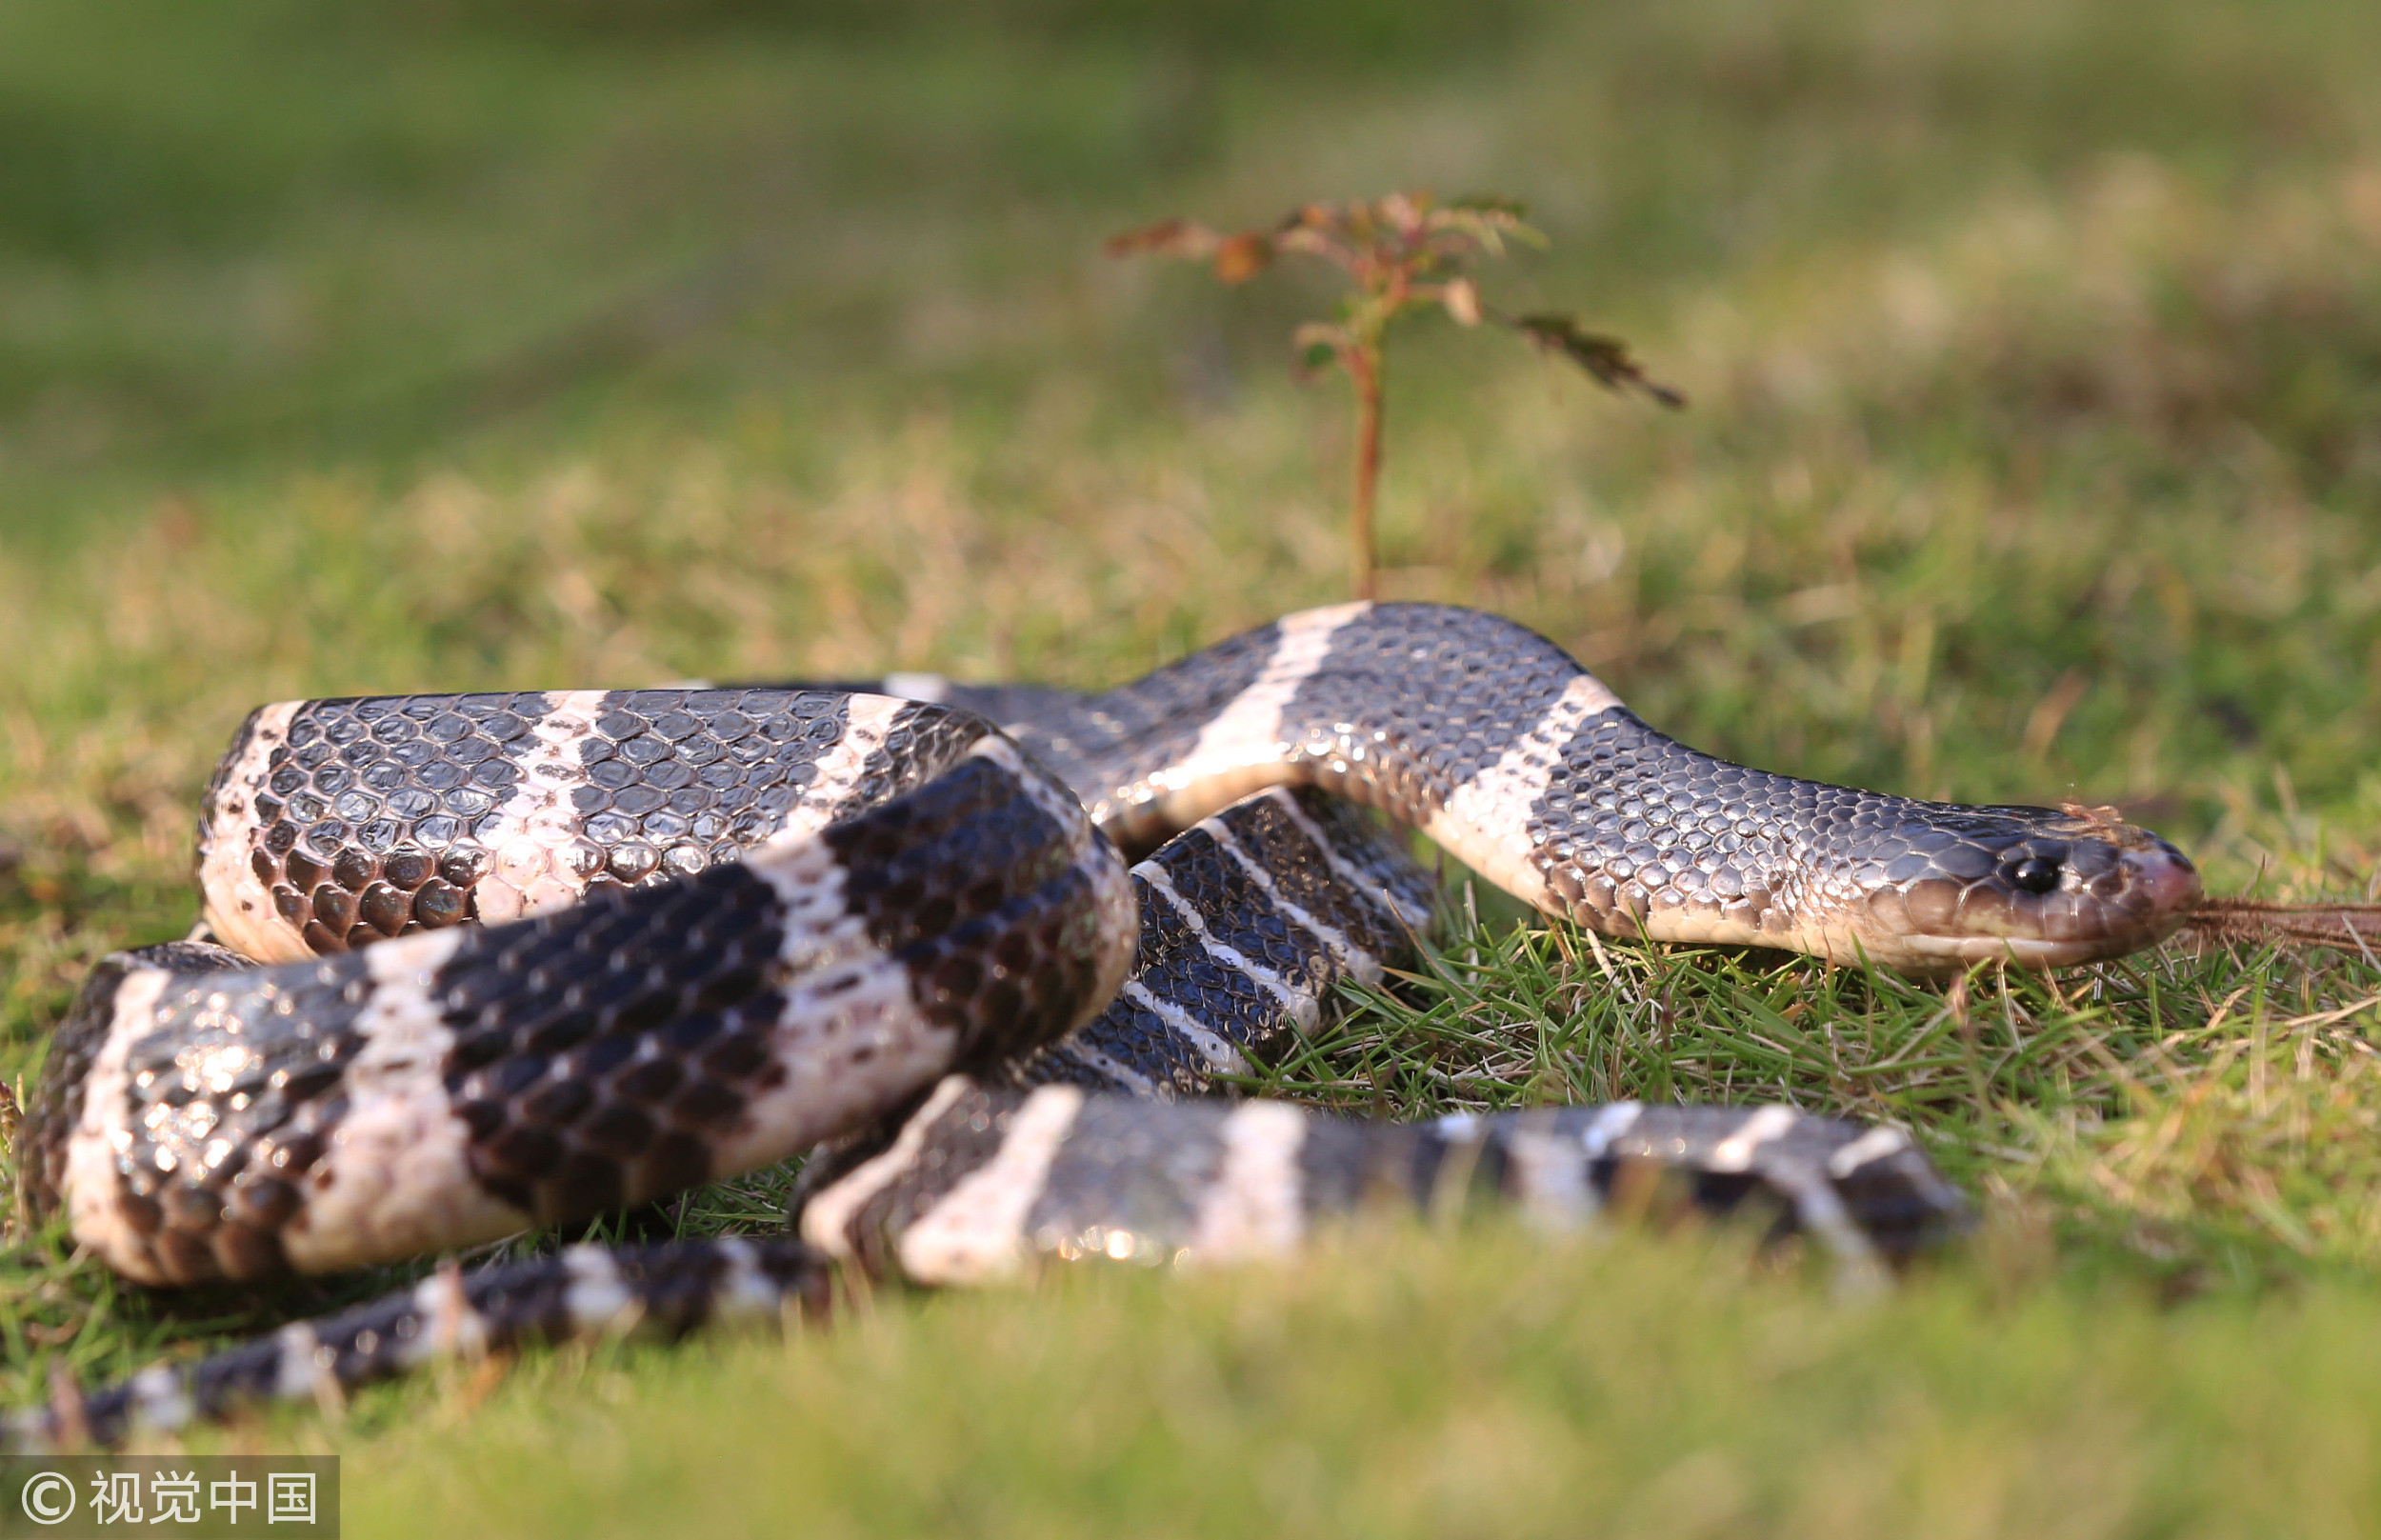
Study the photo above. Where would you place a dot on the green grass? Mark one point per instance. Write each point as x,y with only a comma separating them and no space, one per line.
1503,1388
2036,452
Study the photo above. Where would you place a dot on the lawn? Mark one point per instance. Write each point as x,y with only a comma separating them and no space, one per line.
2033,452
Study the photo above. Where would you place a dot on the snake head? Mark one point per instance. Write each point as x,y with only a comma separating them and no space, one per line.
2040,886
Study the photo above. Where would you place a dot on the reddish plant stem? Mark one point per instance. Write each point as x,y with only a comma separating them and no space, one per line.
1363,371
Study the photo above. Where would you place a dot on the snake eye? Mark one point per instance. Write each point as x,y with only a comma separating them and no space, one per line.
2035,874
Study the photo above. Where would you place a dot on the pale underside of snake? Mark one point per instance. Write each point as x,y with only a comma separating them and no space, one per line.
479,964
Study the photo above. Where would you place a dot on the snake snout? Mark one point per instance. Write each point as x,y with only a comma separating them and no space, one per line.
2159,881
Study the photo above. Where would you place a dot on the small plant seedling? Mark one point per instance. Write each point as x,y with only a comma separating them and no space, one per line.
1401,253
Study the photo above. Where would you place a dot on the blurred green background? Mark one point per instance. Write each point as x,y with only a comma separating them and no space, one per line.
2035,354
2034,450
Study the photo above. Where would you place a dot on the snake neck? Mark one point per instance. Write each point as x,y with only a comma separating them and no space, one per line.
1510,755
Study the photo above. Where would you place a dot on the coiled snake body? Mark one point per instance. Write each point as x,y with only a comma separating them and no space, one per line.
716,928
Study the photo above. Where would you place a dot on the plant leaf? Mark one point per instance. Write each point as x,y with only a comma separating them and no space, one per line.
1167,237
1490,203
1604,359
1318,344
1241,257
1462,298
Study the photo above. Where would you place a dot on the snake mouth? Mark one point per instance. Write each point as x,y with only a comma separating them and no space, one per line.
1949,954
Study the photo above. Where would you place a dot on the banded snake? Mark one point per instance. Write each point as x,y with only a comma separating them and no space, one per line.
472,965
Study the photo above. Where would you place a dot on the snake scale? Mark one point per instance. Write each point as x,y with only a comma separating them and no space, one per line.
475,964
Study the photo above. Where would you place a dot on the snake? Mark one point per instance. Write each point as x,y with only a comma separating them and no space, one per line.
995,958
